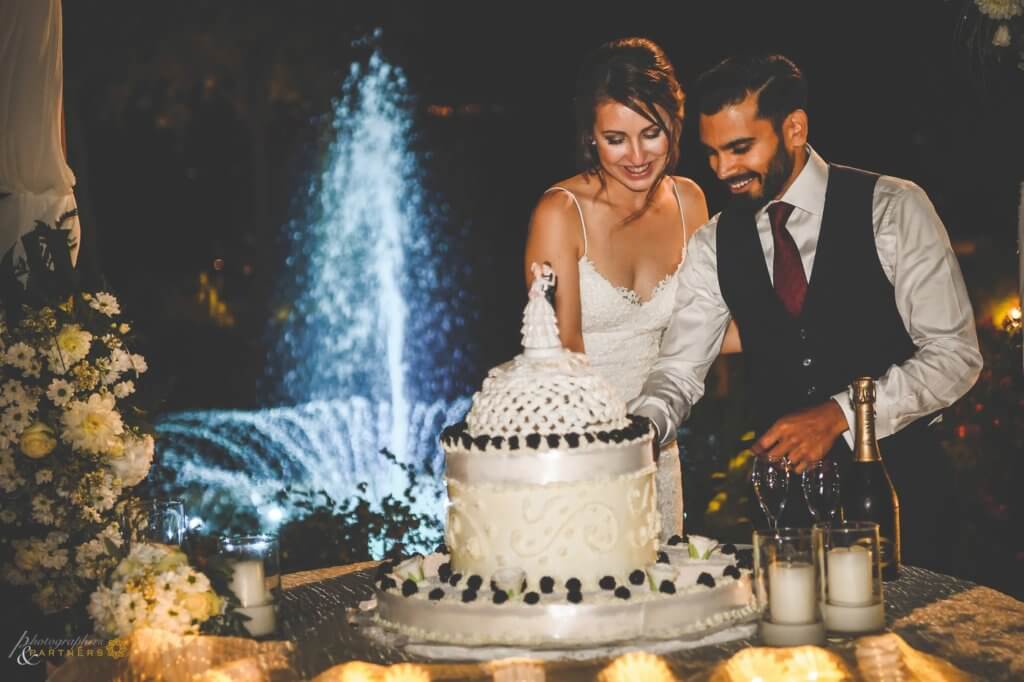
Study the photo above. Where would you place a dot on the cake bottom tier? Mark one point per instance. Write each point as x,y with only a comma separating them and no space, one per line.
600,618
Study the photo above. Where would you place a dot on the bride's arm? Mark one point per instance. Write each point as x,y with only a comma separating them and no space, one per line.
696,218
555,237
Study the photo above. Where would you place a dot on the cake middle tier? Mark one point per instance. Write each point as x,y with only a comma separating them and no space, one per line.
558,513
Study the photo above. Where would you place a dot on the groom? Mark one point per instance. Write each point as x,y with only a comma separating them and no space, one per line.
831,273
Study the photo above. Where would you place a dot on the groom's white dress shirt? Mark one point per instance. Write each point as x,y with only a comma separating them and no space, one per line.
917,258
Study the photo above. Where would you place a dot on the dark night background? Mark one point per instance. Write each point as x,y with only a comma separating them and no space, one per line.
193,127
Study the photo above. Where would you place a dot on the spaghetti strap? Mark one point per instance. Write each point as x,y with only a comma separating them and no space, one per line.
682,216
579,209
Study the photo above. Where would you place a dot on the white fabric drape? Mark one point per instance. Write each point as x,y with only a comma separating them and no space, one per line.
33,170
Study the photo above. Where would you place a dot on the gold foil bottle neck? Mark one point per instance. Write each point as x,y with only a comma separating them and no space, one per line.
865,445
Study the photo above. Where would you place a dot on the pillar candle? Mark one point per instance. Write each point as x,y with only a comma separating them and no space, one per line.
849,576
248,583
791,594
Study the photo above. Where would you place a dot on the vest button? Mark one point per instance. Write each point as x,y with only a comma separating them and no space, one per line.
807,362
803,334
811,390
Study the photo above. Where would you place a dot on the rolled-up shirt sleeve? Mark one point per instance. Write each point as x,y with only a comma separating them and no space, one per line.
932,301
691,341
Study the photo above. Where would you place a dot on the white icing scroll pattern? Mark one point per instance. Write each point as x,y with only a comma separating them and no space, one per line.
464,535
550,527
643,505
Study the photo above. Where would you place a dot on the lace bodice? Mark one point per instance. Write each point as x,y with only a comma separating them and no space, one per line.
622,333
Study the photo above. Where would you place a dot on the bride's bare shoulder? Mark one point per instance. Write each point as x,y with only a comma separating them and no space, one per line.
688,189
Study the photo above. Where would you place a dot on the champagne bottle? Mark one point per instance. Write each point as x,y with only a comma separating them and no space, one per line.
867,493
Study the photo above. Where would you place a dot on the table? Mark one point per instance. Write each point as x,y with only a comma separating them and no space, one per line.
978,629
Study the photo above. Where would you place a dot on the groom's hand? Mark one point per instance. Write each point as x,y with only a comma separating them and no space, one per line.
804,437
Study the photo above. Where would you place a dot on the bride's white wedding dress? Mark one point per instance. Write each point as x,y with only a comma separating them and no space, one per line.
622,336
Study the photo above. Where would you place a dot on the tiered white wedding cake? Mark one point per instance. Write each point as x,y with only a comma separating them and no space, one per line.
552,533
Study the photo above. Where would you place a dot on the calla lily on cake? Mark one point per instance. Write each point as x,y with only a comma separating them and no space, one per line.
510,580
411,569
431,564
701,547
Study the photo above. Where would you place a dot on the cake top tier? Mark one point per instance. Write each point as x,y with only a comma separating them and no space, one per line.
559,394
547,389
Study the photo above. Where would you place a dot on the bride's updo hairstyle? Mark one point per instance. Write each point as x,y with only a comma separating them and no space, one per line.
636,73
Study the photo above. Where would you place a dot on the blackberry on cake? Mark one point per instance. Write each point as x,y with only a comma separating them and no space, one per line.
622,592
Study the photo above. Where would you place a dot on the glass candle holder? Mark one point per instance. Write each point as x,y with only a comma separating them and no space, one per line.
153,520
255,579
851,588
787,584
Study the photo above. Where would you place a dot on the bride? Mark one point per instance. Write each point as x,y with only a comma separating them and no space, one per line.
616,233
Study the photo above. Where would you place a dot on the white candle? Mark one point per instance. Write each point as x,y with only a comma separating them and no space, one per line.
248,583
854,619
849,576
791,594
262,620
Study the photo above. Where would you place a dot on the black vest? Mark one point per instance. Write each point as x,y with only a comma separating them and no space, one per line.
849,326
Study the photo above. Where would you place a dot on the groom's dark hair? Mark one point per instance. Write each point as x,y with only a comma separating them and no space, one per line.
778,83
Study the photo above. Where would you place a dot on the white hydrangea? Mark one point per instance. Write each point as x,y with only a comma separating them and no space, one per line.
92,426
133,466
60,392
139,363
1000,9
105,303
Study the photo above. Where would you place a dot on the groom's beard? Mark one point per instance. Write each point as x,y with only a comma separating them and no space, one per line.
772,182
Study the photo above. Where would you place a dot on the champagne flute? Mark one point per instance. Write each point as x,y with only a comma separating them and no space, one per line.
770,479
821,490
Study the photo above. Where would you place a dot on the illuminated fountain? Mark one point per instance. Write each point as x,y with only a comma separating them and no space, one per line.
369,305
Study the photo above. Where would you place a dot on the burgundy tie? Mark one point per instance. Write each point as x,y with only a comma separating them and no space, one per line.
788,270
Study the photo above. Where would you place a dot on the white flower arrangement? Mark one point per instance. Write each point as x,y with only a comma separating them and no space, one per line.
155,587
71,446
